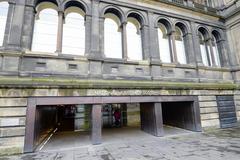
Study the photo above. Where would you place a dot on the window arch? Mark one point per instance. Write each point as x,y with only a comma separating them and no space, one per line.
205,47
45,28
3,19
74,31
180,45
164,46
216,48
134,39
112,36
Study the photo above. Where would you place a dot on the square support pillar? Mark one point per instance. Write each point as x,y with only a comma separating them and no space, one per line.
29,143
151,118
96,130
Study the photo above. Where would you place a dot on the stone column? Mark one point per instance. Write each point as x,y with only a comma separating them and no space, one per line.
60,31
28,27
196,44
101,36
153,38
124,40
88,21
96,131
151,118
223,54
145,42
29,143
173,47
188,43
95,32
14,25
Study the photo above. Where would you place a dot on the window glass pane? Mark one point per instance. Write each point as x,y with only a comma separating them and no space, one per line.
134,41
112,37
180,48
45,31
74,34
215,52
3,19
203,49
164,47
204,55
209,55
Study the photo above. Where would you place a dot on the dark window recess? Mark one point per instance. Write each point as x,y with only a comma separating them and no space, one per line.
139,70
227,111
72,66
170,71
41,64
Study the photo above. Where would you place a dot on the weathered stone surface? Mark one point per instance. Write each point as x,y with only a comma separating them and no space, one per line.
14,121
209,116
208,104
13,131
211,123
11,145
13,111
207,98
209,110
45,92
11,102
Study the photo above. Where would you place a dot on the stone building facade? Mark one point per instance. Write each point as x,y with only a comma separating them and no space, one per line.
30,78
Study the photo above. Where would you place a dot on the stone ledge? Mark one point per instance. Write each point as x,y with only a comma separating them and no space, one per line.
16,82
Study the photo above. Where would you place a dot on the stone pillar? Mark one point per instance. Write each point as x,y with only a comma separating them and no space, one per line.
96,130
196,46
14,25
88,21
223,54
153,38
151,118
101,35
188,43
173,47
60,31
29,143
145,42
95,32
28,27
124,40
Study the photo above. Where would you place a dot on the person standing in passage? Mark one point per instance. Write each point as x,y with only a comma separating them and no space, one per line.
117,117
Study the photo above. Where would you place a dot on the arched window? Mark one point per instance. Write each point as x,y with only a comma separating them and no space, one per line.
112,36
74,31
205,50
45,28
3,19
164,46
134,39
216,51
180,47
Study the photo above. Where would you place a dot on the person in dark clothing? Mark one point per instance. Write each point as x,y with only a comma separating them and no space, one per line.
117,117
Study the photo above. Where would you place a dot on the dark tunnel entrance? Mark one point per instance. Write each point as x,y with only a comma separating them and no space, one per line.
179,114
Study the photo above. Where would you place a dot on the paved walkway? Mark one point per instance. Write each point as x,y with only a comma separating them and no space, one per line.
211,145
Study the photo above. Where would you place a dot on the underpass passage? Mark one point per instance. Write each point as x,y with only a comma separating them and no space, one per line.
179,114
46,122
54,124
